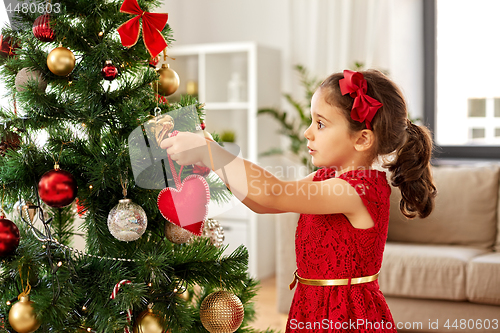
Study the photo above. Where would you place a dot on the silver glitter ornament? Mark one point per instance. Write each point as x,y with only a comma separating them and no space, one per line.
127,221
214,231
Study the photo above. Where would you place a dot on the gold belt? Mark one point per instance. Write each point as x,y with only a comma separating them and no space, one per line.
331,282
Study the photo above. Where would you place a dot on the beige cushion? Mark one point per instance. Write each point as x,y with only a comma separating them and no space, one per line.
465,211
497,246
425,271
483,279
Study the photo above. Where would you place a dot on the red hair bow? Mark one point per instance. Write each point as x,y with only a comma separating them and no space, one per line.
152,25
364,107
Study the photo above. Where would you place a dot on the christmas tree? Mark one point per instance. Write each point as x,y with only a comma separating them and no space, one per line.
80,73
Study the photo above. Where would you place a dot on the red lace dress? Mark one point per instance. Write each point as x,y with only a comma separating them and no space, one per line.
329,247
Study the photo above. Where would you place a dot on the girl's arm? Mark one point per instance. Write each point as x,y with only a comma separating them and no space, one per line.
255,207
248,180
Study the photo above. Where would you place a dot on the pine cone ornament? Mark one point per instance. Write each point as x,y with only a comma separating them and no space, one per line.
10,140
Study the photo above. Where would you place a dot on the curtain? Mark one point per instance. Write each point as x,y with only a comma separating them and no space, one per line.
328,36
331,35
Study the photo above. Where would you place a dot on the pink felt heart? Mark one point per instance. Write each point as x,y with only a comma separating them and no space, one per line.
187,206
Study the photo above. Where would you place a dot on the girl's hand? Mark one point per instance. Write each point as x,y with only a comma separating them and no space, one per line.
185,148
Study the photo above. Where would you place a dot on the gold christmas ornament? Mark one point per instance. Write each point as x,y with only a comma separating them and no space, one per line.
22,317
148,322
176,234
162,126
221,312
168,82
184,295
61,61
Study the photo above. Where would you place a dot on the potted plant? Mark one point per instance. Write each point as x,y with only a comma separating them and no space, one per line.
228,138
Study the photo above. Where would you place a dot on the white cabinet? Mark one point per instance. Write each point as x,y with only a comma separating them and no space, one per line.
234,80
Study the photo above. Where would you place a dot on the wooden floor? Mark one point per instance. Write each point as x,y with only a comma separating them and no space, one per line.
266,308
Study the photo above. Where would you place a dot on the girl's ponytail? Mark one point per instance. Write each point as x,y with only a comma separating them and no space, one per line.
411,172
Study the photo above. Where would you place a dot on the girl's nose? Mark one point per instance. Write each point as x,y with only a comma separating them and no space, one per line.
307,133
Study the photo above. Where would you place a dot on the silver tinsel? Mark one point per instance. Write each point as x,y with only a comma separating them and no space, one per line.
127,221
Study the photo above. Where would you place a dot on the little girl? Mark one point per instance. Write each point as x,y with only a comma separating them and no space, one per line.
344,206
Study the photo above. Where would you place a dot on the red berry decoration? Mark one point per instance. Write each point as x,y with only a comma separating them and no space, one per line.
109,72
9,236
57,188
42,29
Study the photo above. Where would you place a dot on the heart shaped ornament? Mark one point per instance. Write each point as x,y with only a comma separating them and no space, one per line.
186,206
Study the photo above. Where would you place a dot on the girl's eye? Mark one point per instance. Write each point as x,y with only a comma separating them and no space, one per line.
320,125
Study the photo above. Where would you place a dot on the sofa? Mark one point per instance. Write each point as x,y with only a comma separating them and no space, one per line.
439,274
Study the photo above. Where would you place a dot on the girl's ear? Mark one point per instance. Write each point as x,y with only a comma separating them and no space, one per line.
364,140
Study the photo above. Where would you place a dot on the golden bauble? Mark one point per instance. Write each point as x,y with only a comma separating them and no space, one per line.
22,316
61,61
168,82
148,322
184,295
161,127
221,312
176,234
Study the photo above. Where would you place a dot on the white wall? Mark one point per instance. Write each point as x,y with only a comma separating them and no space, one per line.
396,44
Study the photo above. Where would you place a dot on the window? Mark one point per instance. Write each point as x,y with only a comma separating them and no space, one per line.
462,89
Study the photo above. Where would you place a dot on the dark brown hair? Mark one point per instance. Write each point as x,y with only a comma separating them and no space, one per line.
394,133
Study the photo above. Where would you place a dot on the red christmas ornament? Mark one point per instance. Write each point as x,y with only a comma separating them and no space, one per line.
203,126
9,236
57,188
42,29
6,47
109,72
186,205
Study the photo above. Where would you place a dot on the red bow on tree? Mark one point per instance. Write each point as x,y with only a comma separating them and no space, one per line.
152,25
364,107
